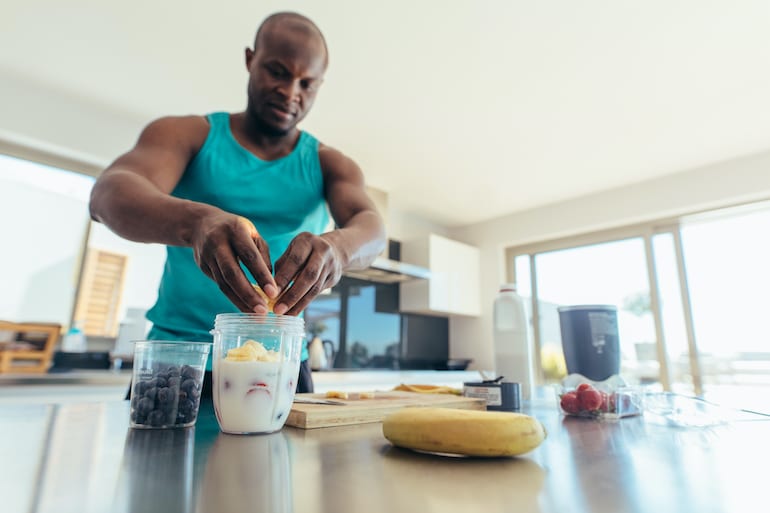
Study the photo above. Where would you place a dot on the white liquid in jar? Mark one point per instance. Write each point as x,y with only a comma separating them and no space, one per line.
253,396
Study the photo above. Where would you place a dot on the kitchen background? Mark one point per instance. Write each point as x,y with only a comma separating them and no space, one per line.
616,159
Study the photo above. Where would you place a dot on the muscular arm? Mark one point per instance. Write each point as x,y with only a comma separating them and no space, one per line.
316,263
360,235
132,198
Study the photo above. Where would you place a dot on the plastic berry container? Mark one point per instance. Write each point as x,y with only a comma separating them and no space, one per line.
167,383
610,399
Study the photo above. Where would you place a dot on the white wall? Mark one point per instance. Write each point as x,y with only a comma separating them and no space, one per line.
69,125
736,181
404,226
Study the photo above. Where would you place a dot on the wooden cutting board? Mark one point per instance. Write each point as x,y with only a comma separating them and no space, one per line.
361,411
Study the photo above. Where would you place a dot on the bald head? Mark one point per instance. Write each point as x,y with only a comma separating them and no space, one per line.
289,22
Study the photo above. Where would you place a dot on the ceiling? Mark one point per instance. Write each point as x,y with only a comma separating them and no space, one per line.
462,111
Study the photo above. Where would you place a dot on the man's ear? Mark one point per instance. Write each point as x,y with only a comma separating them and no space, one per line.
249,53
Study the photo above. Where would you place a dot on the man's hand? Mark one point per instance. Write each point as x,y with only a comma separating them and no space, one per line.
221,241
313,263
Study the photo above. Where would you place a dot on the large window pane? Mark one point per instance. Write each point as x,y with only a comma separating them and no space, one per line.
43,221
372,338
729,278
612,273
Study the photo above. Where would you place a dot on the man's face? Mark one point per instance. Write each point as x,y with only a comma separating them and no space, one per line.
285,71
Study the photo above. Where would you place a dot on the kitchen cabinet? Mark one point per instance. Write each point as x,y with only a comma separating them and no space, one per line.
454,285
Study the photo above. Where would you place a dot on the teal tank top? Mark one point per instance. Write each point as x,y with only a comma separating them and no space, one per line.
282,198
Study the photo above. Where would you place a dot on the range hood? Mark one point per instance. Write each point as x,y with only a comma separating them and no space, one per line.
389,269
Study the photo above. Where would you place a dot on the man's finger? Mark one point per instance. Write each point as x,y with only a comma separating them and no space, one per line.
290,263
258,264
234,279
225,288
306,284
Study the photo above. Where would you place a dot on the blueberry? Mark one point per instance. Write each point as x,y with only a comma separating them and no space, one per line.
162,382
140,419
173,371
165,395
140,387
173,382
190,372
151,393
187,385
156,418
186,406
182,396
152,383
145,406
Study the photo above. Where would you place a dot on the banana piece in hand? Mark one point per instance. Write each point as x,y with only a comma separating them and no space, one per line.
270,301
466,432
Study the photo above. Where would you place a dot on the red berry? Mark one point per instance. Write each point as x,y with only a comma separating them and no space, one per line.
584,386
569,403
608,402
589,399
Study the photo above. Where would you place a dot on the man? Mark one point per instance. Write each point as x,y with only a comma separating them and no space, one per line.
245,193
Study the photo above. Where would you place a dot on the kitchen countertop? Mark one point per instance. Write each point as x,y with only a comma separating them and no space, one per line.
111,385
82,457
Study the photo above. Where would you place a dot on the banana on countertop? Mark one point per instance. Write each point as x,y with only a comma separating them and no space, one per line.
466,432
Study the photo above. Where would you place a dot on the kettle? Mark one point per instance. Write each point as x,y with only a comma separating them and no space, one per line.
320,354
317,355
330,352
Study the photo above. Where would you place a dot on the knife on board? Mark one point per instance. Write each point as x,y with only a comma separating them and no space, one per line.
310,400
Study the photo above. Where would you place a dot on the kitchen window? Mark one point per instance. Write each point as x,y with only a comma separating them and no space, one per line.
44,223
360,324
690,292
48,233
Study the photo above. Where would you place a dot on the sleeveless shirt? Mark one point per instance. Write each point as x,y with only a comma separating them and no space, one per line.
282,197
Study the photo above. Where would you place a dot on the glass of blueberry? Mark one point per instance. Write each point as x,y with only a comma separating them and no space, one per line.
167,382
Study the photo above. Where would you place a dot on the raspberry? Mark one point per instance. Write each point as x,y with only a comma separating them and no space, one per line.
569,403
589,399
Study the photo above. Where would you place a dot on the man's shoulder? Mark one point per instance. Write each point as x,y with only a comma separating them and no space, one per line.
329,152
334,162
188,130
186,122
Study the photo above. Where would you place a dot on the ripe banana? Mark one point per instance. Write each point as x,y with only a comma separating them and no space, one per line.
467,432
